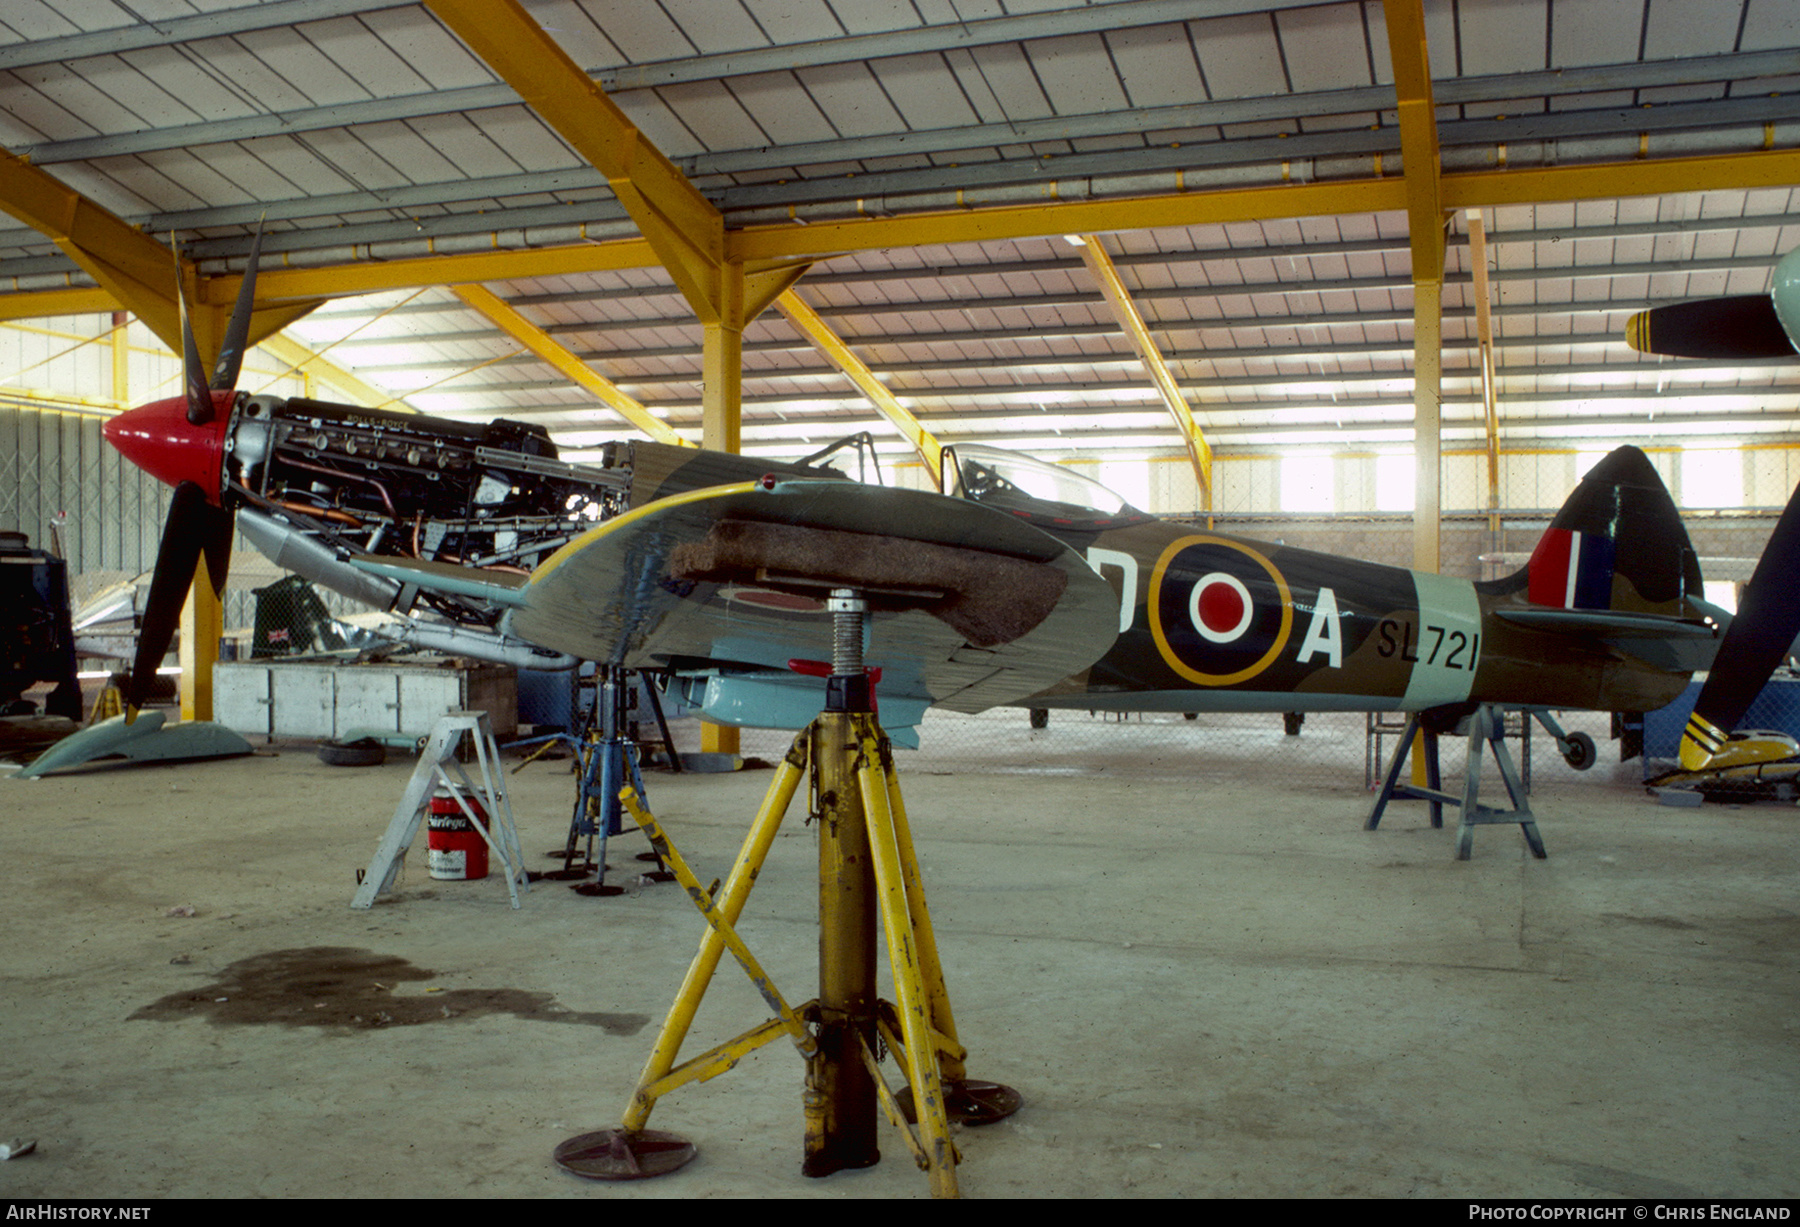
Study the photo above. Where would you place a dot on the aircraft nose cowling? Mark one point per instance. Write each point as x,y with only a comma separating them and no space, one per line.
160,440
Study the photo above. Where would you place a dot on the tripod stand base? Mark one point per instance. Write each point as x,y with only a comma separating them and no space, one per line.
613,1154
971,1102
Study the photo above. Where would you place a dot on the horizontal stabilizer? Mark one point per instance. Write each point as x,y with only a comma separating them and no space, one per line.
1607,623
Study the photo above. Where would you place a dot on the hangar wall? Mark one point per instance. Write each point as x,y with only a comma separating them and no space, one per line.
53,462
1533,476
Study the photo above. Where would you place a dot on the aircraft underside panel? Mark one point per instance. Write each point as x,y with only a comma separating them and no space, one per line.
1213,701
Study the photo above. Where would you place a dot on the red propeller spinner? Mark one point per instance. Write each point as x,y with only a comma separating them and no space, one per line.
159,439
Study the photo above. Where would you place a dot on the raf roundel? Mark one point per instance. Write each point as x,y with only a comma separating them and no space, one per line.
1220,612
1220,607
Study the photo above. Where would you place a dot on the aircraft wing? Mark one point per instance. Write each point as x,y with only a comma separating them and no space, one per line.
970,606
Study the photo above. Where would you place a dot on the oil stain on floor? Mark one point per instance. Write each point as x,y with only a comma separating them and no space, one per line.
350,988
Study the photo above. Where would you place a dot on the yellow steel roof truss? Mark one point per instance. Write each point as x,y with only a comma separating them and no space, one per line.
542,344
1131,322
815,329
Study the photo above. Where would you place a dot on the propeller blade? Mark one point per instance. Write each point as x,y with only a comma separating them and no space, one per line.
193,373
1758,637
1729,329
237,332
216,545
185,534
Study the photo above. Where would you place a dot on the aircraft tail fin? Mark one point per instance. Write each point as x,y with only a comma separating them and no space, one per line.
1617,544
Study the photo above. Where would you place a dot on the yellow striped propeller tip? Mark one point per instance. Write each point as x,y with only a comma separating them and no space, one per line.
1700,741
1694,757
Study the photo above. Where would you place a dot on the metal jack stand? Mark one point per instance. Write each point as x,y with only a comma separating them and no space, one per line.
1486,726
436,763
607,759
866,863
609,762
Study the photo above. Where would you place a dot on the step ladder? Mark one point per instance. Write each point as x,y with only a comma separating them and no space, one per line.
438,766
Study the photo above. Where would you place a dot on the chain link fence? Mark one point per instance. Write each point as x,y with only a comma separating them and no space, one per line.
1330,754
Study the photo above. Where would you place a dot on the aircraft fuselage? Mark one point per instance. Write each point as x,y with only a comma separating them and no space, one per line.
1211,621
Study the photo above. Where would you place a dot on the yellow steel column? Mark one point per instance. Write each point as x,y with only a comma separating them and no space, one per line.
722,387
1427,418
721,430
121,358
742,295
1425,221
1484,334
202,623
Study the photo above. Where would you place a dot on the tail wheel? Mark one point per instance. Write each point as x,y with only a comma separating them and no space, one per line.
1579,751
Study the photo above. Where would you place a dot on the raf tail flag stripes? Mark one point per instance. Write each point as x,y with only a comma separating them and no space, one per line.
1572,570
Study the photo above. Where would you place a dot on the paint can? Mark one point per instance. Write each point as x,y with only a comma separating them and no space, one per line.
455,850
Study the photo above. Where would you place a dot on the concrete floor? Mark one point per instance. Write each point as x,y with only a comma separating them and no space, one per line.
1203,985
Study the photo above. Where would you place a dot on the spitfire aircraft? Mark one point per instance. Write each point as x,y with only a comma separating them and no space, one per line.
1022,584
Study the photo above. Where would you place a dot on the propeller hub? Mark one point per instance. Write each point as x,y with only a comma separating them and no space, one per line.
159,439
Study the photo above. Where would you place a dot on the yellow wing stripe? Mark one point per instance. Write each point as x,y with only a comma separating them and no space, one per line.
549,565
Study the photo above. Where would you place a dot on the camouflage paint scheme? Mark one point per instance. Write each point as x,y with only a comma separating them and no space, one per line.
1224,623
1204,621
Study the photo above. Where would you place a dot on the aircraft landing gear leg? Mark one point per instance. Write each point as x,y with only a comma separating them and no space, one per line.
1577,748
866,868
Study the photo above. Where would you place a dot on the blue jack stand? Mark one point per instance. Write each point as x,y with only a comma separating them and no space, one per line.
607,758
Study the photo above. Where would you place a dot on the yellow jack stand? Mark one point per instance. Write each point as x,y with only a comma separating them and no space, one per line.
107,704
866,866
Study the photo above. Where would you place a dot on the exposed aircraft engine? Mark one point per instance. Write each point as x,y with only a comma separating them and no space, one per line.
482,495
